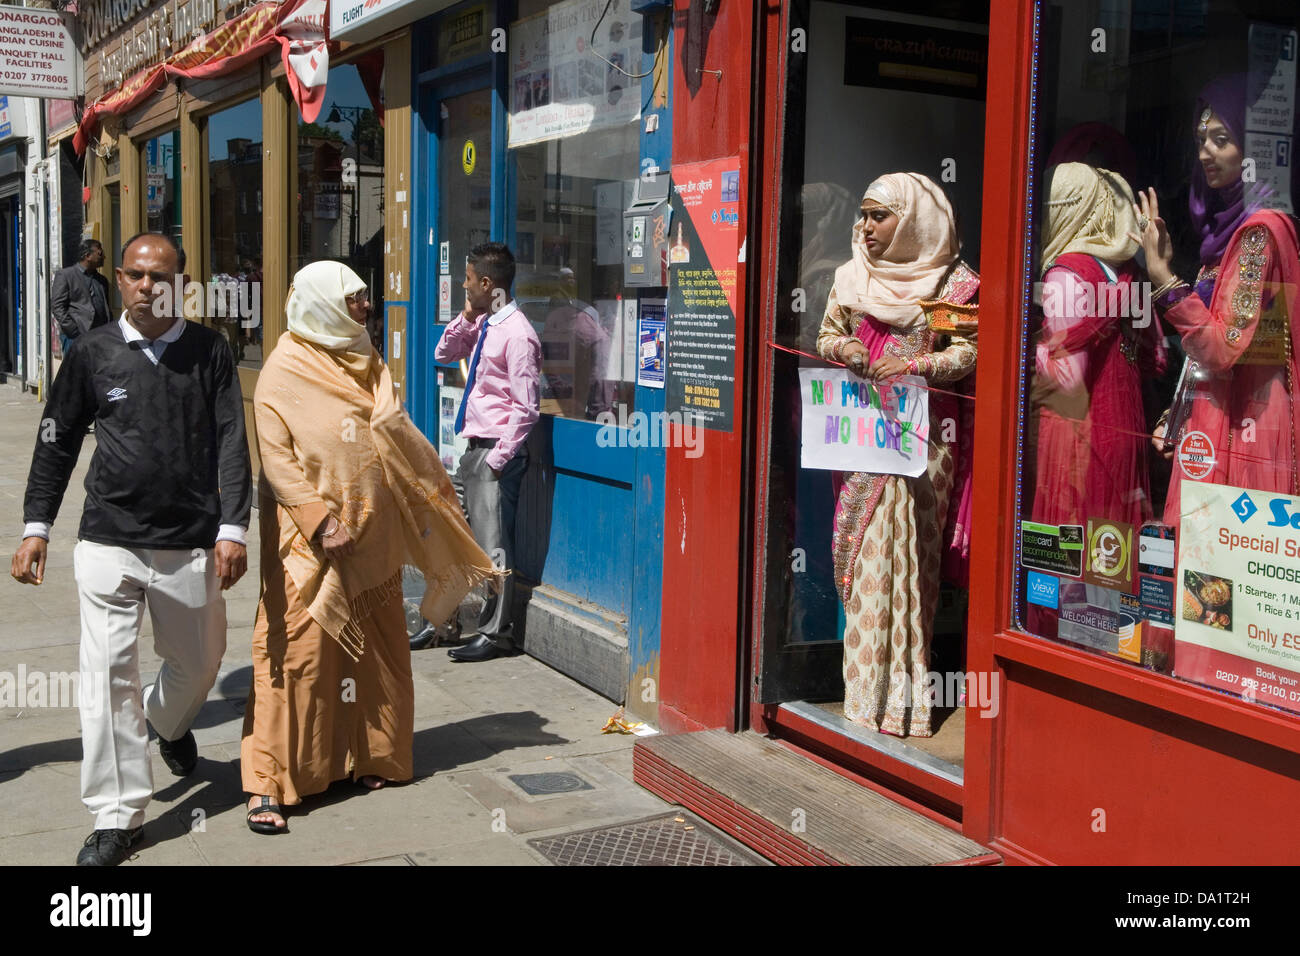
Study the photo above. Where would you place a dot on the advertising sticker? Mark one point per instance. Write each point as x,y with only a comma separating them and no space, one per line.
1196,455
1109,559
650,344
1057,549
1101,618
1238,600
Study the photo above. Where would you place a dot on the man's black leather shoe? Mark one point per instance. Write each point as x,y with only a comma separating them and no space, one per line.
180,756
482,648
426,638
108,847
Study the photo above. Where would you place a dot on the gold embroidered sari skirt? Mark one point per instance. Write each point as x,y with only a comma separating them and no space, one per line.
893,595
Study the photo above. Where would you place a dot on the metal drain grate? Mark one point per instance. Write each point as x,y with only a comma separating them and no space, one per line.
660,841
538,784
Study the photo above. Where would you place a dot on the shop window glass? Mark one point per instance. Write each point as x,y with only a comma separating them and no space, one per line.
162,176
1158,482
234,282
341,180
865,585
572,185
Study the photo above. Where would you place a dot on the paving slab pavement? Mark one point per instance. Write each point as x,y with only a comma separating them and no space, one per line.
476,726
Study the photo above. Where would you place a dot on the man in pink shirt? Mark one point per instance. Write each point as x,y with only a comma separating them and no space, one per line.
498,411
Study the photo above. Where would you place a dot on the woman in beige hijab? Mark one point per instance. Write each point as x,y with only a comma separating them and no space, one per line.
350,490
889,537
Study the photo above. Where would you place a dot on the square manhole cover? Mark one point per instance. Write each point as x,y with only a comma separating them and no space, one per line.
539,784
676,839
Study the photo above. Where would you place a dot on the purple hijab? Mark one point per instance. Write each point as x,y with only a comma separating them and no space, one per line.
1216,213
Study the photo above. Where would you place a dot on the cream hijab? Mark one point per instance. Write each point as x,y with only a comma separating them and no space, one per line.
318,314
888,285
1089,210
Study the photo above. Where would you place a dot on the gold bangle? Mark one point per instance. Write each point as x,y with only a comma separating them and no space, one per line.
1173,283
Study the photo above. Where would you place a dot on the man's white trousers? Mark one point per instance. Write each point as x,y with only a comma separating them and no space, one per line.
188,612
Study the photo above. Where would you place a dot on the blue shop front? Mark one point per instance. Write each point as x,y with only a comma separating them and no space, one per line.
547,126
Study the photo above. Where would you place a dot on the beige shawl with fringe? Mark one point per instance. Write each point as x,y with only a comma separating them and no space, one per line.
327,439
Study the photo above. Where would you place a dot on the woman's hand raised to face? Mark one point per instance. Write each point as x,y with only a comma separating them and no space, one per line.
1153,236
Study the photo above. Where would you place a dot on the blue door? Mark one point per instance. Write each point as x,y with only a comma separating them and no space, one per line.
589,535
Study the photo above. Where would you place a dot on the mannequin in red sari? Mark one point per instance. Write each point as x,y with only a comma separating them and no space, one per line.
1098,341
1243,339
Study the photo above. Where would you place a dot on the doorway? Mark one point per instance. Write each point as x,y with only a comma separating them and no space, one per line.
925,117
457,160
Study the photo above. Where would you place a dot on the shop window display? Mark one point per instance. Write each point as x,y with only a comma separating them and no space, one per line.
573,181
1159,474
234,281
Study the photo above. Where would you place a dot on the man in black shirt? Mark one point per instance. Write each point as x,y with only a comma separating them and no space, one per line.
167,504
79,295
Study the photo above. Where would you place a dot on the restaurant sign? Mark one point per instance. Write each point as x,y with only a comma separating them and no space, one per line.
37,55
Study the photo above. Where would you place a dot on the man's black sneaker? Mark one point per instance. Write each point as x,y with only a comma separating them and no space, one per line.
181,755
108,847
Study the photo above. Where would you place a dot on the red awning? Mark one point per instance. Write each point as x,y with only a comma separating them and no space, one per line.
296,26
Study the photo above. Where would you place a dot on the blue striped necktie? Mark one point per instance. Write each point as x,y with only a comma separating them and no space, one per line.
469,382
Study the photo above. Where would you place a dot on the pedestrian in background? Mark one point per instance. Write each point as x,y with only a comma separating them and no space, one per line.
499,409
79,295
167,504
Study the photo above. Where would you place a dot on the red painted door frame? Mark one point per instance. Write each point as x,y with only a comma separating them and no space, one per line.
1141,732
706,525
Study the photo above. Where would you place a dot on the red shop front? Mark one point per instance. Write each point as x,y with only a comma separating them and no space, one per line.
1105,709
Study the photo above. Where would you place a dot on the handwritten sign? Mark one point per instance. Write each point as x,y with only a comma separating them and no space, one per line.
850,424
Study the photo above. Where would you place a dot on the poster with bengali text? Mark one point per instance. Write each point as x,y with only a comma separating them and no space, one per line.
702,252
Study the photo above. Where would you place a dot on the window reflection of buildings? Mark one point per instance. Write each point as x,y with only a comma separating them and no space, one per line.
236,213
332,212
340,219
162,158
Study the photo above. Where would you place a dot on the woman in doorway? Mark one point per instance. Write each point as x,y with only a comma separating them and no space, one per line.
350,490
1094,350
1240,321
889,529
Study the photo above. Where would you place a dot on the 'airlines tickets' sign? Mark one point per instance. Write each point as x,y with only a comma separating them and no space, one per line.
850,424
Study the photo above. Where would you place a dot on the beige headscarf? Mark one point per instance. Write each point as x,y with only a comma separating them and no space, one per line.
888,285
317,312
1089,210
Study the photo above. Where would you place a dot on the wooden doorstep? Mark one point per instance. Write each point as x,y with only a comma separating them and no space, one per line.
790,809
